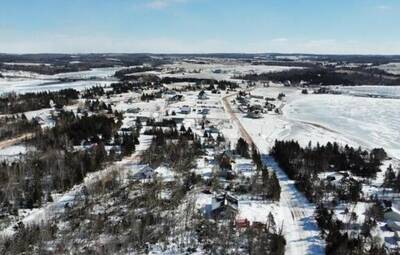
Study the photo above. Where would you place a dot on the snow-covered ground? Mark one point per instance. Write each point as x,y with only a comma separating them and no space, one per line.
22,82
370,122
357,121
370,91
13,152
393,68
127,166
293,212
220,71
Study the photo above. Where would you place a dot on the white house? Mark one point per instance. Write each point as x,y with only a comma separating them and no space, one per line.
144,174
393,225
392,214
185,109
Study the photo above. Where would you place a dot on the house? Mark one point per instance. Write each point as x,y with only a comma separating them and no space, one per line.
175,98
169,92
242,223
393,226
242,100
224,205
39,120
212,130
255,112
58,107
142,118
133,110
204,111
145,173
202,95
256,96
269,106
244,167
185,109
392,214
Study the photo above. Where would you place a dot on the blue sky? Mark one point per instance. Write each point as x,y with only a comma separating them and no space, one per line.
200,26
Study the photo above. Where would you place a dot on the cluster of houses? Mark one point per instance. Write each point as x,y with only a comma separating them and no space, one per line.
392,218
254,110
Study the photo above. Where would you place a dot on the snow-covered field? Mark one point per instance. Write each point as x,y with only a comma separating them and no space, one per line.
370,91
22,82
12,153
220,71
393,68
357,121
369,122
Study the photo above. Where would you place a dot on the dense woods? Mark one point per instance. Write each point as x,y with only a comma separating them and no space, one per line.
340,242
177,149
304,165
17,103
16,125
55,164
323,76
298,161
124,73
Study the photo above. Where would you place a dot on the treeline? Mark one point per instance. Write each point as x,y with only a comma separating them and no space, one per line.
179,152
285,62
93,92
125,87
146,97
341,242
118,88
162,123
95,106
224,238
55,165
304,164
392,180
79,130
321,76
197,81
29,183
122,74
46,69
330,157
16,103
15,125
263,183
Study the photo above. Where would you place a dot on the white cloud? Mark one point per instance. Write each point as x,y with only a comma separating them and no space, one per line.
162,4
280,40
384,7
64,43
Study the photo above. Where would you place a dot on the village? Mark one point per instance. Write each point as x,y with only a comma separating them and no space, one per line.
172,149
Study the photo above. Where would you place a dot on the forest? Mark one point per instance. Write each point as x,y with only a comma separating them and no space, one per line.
56,165
299,161
17,103
322,76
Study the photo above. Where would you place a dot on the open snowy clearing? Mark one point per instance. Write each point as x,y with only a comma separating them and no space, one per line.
219,71
370,122
393,68
23,82
370,91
